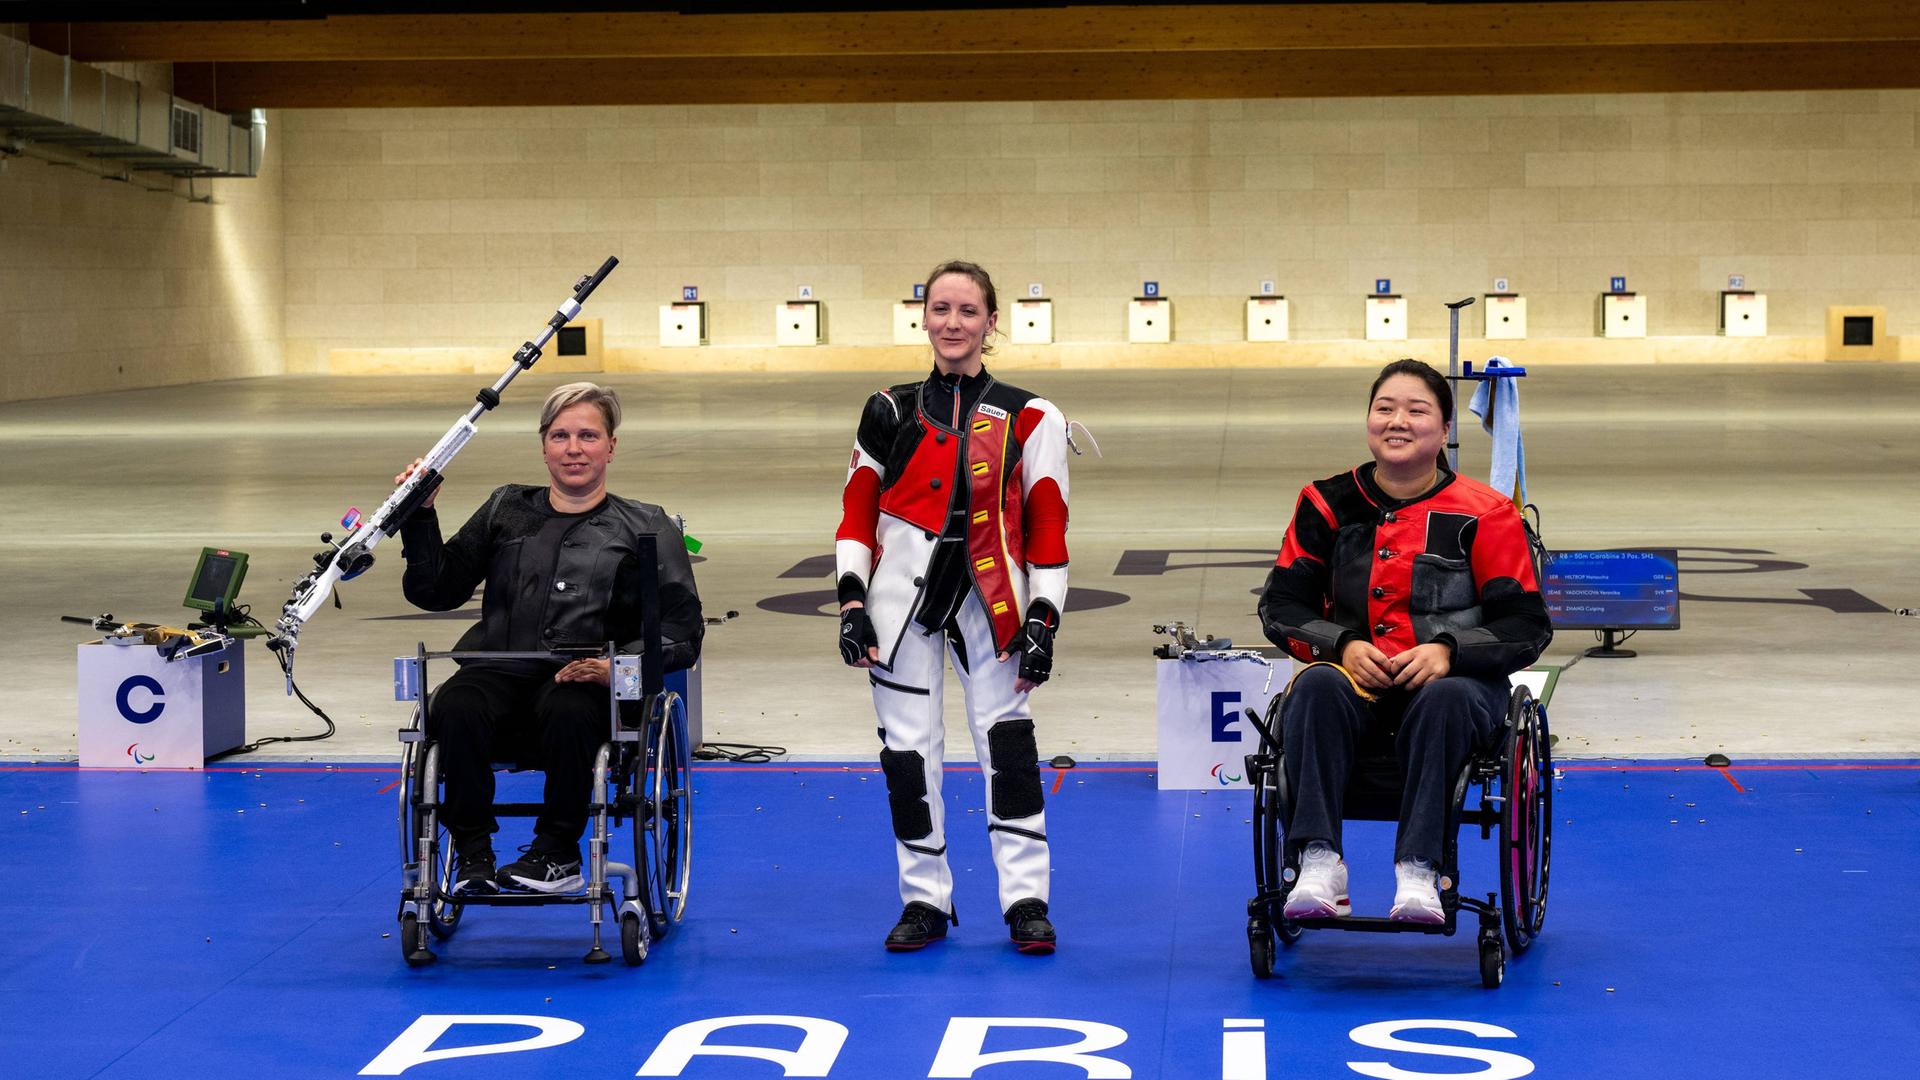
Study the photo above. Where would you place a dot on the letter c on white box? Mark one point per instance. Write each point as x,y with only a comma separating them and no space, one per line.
963,1050
414,1046
1380,1036
815,1056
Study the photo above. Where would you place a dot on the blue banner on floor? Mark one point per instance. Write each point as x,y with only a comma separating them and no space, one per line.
239,923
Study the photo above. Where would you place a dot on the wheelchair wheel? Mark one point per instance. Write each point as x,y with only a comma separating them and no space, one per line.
673,815
633,940
1260,948
1526,822
663,822
443,915
1493,960
413,941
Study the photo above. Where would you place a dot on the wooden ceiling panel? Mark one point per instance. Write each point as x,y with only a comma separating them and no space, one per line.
1071,52
1089,28
1068,76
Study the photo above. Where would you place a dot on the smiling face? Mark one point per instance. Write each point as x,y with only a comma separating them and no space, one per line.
1405,427
577,449
958,322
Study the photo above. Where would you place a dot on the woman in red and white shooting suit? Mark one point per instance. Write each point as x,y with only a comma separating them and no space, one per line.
952,544
1409,592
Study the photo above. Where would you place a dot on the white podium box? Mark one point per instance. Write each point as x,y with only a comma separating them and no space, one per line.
907,329
1743,314
1267,318
1202,703
1623,315
799,322
1150,320
683,326
139,711
1506,317
1032,322
1386,318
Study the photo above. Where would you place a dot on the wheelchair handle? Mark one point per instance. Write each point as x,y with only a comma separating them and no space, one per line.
1266,735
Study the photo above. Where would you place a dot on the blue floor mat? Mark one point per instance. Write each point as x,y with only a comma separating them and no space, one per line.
240,923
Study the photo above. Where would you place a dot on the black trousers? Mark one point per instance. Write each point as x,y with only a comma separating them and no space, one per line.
481,716
1432,730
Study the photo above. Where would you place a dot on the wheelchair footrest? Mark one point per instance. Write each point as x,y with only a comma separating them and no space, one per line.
516,899
1374,924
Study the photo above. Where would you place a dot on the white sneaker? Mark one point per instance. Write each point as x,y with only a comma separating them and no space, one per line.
1416,898
1321,892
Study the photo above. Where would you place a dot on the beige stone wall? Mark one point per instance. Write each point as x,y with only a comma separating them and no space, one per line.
447,228
460,229
107,285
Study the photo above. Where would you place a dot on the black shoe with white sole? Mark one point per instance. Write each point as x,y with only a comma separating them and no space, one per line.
473,866
543,869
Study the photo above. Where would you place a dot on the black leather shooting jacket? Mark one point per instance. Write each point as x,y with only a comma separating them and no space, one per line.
552,581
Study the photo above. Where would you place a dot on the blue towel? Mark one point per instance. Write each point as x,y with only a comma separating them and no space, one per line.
1497,403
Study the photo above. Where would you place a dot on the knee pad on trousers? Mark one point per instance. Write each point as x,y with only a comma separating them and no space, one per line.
906,773
1016,770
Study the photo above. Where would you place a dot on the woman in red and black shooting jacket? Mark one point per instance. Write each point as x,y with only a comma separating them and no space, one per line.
1409,591
952,545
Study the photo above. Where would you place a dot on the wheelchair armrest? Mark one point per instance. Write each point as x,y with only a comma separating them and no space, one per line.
559,654
625,681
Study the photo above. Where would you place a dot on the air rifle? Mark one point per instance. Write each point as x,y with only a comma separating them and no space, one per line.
174,642
352,555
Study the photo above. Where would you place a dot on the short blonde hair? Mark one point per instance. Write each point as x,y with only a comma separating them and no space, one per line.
580,393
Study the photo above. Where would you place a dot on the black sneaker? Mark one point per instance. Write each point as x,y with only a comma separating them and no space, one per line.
473,866
1028,925
543,869
920,925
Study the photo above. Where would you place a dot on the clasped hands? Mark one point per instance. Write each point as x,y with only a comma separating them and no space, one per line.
1411,669
587,670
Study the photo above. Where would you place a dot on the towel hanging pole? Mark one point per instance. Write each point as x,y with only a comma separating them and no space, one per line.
1453,379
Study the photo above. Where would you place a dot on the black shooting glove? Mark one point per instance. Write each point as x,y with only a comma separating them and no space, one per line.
856,635
1036,641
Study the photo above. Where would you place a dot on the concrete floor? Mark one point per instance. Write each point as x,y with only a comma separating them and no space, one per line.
1791,477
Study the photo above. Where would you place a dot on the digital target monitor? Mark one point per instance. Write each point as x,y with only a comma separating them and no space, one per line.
1612,590
216,580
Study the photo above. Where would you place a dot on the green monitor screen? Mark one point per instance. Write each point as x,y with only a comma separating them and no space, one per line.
216,580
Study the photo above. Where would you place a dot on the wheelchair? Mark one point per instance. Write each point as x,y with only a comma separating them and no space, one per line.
1515,782
640,773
